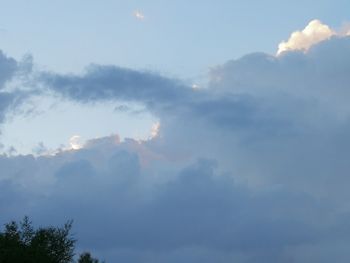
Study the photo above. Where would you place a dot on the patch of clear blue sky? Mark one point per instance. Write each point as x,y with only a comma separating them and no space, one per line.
54,122
180,38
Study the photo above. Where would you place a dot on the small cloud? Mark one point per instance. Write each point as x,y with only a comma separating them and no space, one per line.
122,108
139,15
346,29
155,130
312,34
195,86
75,142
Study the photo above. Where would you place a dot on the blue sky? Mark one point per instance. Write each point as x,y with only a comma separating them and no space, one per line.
179,38
199,131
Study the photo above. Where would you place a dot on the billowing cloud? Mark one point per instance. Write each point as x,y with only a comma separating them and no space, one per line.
198,209
251,168
312,34
258,97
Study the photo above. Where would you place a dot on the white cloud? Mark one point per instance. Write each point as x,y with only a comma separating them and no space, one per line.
75,142
139,15
195,86
312,34
155,130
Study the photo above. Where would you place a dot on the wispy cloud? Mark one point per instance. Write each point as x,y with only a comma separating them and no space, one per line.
139,15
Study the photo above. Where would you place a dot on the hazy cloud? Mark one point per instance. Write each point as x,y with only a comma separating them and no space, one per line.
139,15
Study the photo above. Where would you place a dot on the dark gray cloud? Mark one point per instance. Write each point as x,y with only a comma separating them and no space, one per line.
115,83
117,206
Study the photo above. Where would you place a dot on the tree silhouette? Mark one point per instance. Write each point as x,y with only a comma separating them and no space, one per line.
86,258
21,243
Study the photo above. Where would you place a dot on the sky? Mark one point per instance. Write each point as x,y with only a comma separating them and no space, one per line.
202,131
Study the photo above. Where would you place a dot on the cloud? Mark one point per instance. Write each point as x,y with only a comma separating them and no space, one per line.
8,67
252,103
40,149
139,15
112,83
252,168
5,101
75,142
155,130
122,108
13,75
312,34
198,209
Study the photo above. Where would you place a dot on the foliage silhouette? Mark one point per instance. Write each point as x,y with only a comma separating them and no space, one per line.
86,258
21,243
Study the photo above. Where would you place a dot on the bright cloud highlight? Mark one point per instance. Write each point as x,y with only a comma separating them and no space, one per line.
312,34
75,142
155,130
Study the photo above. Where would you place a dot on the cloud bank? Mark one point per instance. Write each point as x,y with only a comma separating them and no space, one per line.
252,168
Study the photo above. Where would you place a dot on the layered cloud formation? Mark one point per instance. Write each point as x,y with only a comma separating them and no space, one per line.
252,168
